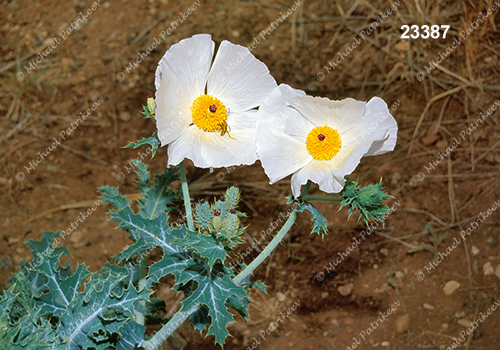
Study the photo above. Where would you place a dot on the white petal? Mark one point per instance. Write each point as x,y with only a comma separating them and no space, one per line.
187,146
210,149
318,172
187,63
180,78
340,115
378,111
279,153
281,135
173,114
238,79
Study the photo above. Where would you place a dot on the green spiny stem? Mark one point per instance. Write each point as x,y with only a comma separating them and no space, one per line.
268,250
323,198
187,200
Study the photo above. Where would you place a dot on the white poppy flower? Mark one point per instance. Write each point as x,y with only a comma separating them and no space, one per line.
318,139
206,112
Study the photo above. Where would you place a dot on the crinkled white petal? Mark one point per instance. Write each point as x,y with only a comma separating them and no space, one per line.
378,112
340,115
281,135
180,78
210,149
320,173
187,63
276,112
279,153
238,79
173,114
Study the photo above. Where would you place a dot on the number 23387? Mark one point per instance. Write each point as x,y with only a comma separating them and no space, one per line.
424,32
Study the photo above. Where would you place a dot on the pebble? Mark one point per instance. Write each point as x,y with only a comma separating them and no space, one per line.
402,323
280,296
488,269
385,343
497,271
345,290
428,306
396,178
450,287
474,250
399,275
3,181
125,116
325,295
492,241
384,252
464,322
13,5
444,326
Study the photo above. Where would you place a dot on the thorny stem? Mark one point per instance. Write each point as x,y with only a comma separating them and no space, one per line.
187,200
268,250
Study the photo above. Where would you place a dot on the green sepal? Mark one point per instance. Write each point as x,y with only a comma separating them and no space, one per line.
147,113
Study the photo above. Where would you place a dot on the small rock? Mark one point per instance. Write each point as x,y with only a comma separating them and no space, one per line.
492,241
313,86
474,250
450,287
488,269
459,314
402,323
325,295
375,266
444,326
3,181
384,252
125,116
280,296
399,275
13,5
464,322
345,290
385,343
497,271
395,178
428,306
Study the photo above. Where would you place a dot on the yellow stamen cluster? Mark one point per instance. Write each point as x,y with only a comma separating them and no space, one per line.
209,113
323,142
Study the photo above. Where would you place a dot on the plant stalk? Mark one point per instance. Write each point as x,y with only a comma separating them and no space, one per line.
185,194
268,250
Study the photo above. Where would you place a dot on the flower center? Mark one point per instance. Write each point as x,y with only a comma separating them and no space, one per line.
323,142
209,113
